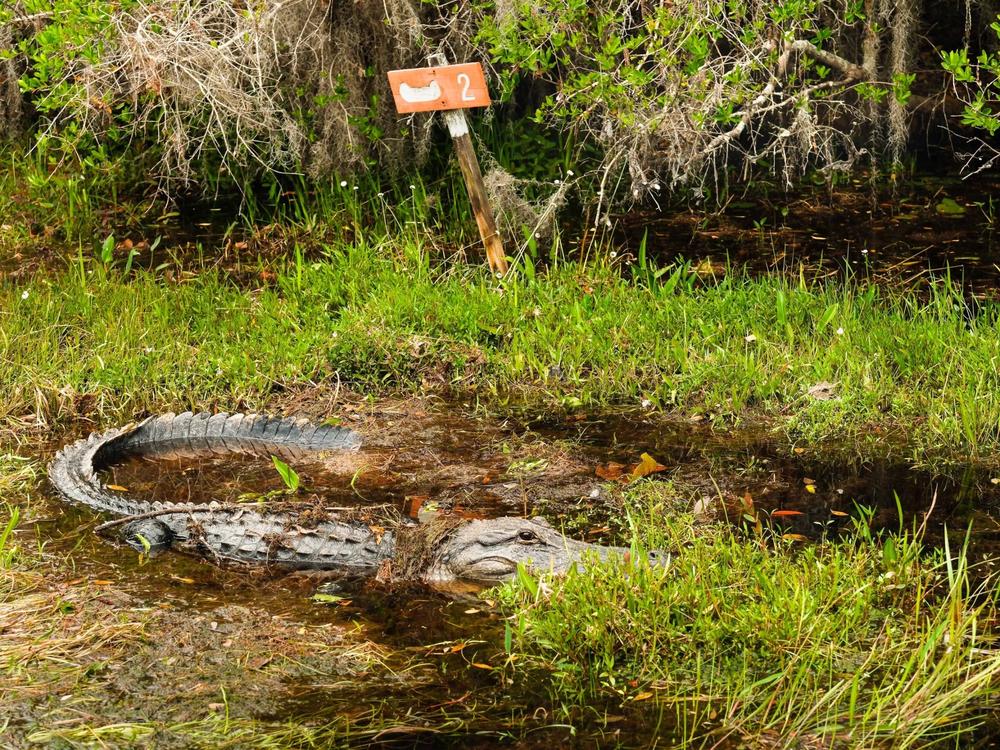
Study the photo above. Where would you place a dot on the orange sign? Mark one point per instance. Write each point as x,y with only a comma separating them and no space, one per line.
444,87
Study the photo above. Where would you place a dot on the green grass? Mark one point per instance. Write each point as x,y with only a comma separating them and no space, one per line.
386,316
17,474
850,643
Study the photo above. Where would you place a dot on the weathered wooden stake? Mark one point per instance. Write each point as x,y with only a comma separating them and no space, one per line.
458,127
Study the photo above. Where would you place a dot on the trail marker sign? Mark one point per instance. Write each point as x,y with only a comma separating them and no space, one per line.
451,89
439,88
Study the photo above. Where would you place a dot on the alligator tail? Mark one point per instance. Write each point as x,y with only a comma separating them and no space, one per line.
226,533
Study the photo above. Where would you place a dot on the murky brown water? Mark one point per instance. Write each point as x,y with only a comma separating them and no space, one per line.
423,459
934,226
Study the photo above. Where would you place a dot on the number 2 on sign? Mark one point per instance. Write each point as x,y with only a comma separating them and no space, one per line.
466,82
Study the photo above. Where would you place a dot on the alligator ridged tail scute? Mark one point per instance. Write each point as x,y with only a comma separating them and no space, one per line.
239,534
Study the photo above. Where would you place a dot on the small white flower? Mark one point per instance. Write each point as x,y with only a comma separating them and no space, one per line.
865,251
538,235
343,183
656,186
24,294
557,182
646,403
840,331
614,254
354,188
569,172
413,187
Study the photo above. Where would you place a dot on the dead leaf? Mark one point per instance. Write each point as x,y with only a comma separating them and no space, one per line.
102,582
648,465
784,513
414,503
795,537
839,513
182,579
116,487
811,489
798,451
643,696
456,648
480,665
471,611
612,472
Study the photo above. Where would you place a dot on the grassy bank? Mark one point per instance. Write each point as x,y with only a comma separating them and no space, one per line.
384,317
854,643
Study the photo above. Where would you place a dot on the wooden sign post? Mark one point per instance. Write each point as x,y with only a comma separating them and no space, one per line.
452,89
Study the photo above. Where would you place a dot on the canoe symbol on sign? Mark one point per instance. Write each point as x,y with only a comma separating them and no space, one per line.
419,94
441,87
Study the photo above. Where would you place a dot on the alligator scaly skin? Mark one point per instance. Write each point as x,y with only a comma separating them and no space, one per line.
227,534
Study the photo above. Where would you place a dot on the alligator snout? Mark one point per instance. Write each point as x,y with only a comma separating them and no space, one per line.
492,550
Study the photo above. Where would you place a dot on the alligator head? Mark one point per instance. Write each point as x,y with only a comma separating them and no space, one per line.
491,550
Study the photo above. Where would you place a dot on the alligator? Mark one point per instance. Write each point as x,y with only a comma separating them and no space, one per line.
449,549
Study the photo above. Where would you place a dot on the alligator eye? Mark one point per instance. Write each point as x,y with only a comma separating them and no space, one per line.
524,535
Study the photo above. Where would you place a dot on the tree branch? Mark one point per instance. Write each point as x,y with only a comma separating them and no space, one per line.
852,74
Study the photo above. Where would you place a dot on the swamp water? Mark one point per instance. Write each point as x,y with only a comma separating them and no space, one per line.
938,227
404,666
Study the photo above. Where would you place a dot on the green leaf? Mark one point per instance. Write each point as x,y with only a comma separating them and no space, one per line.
108,249
949,207
327,598
288,474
